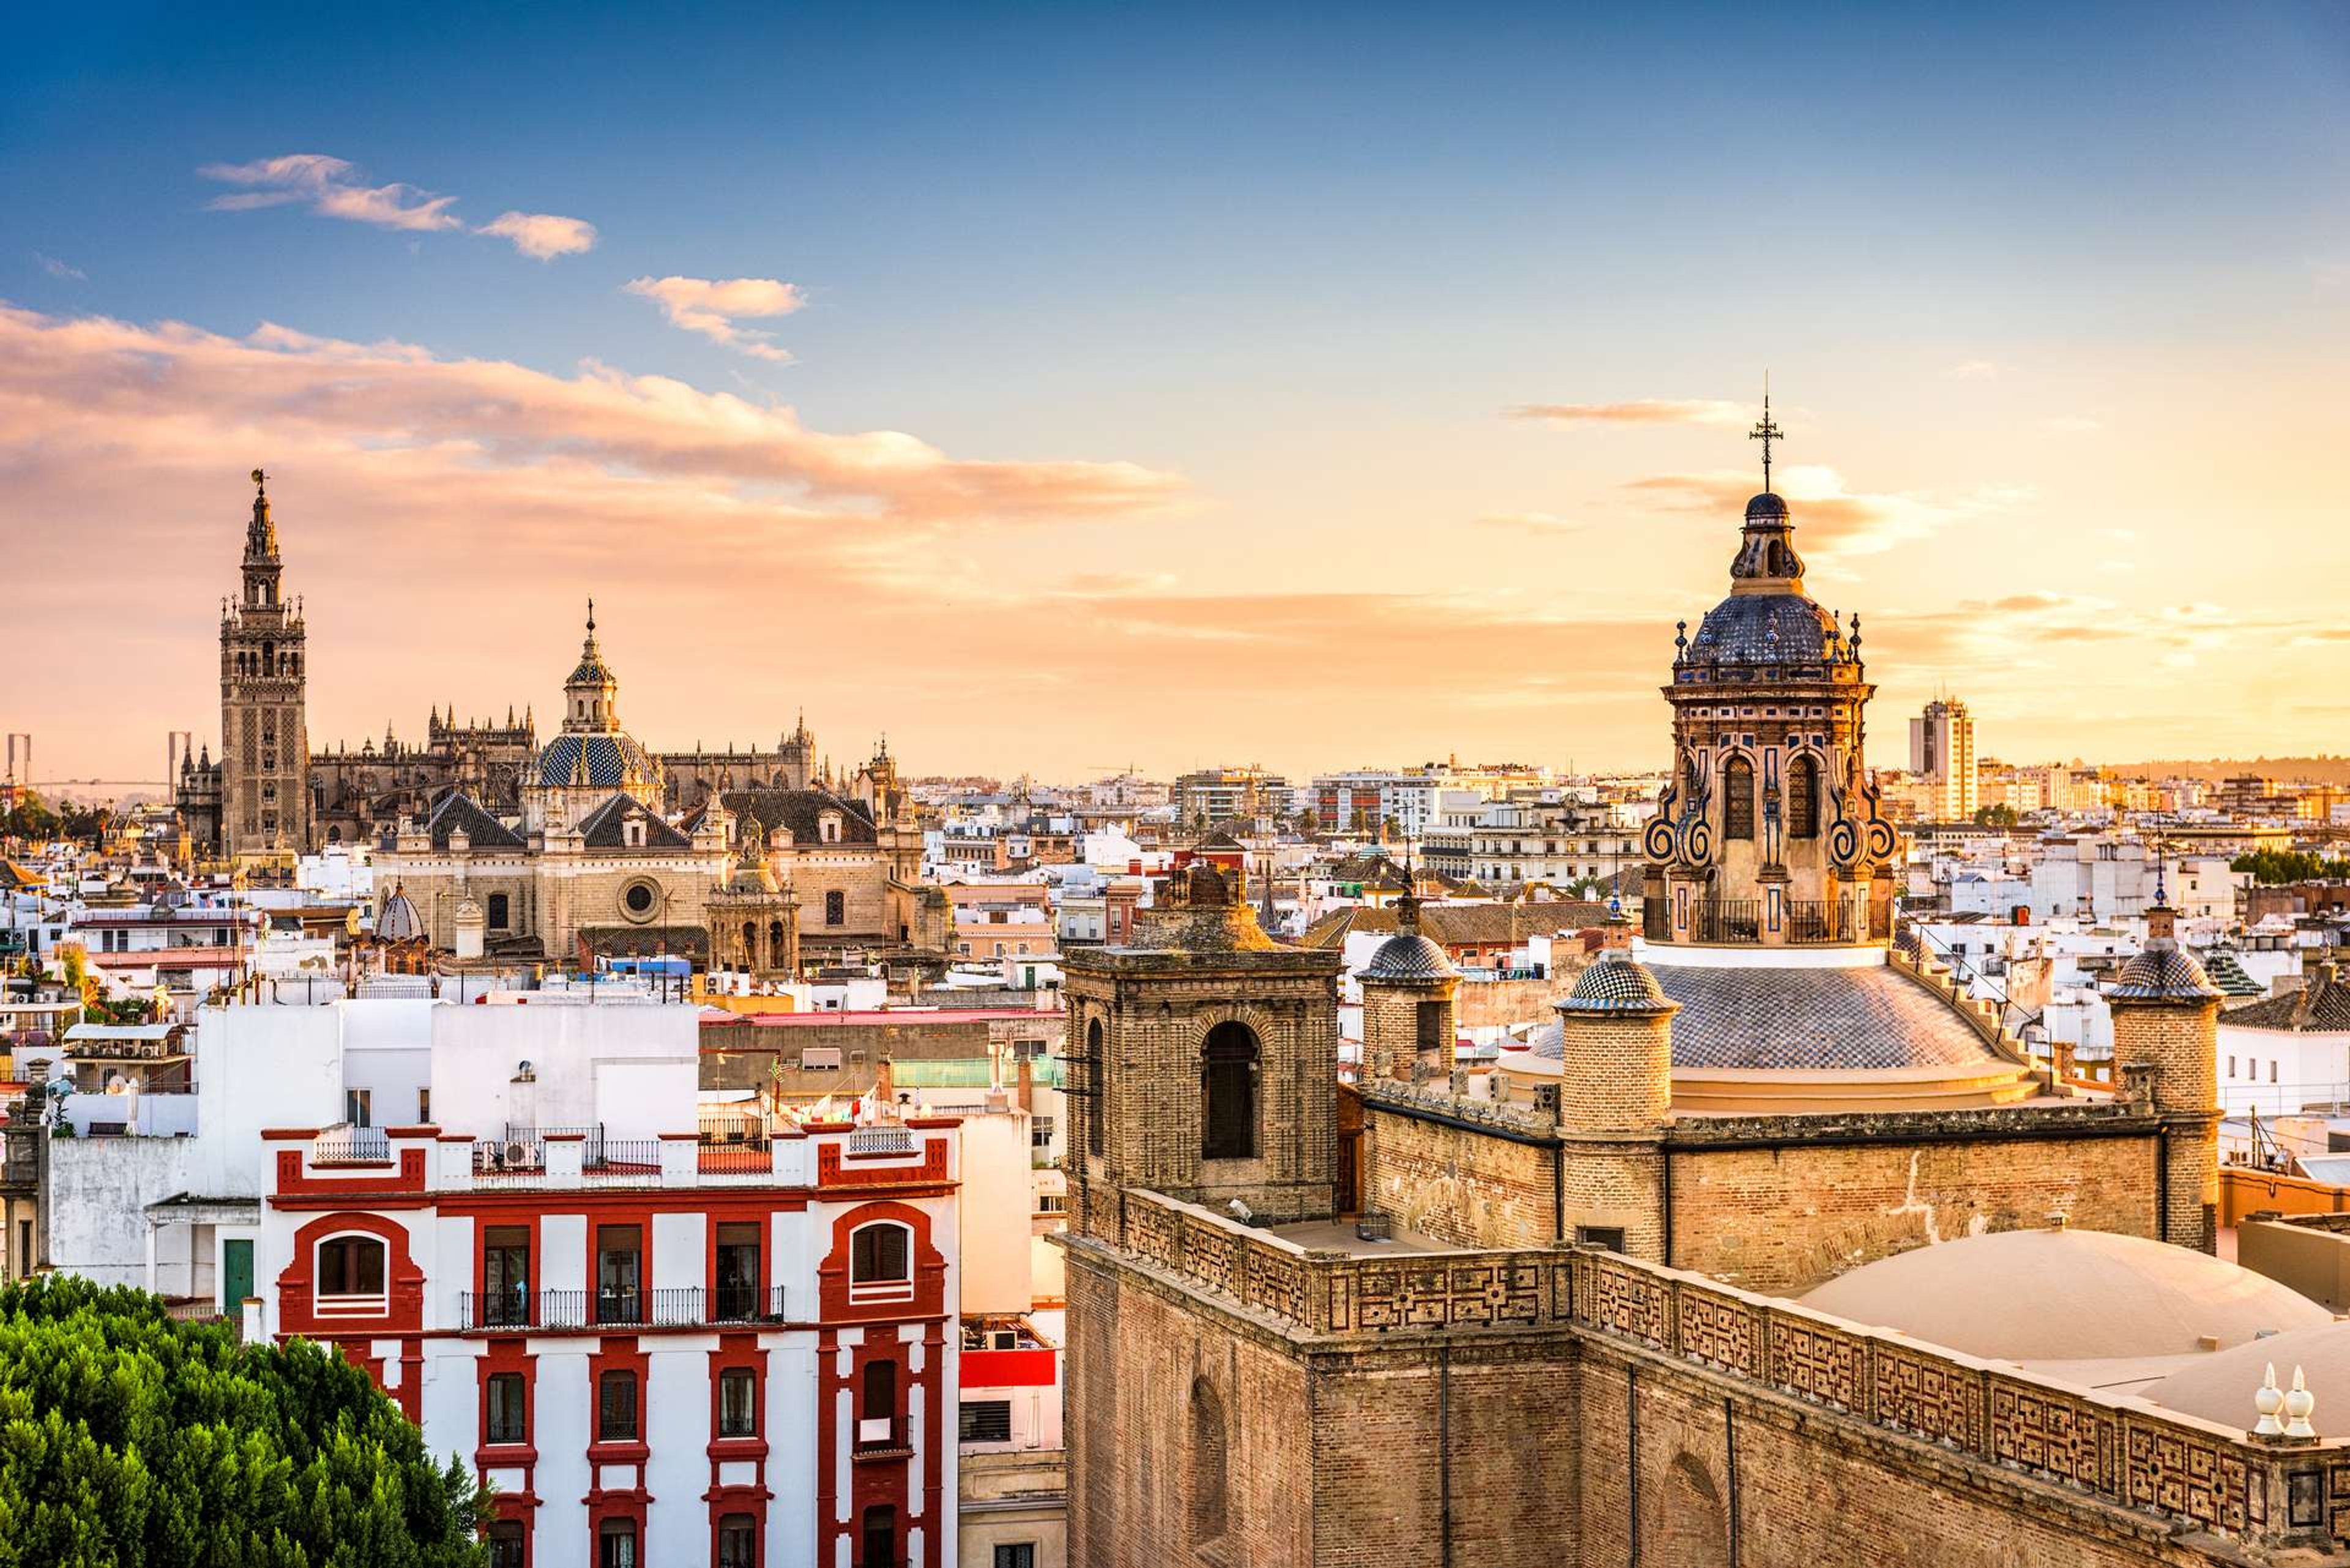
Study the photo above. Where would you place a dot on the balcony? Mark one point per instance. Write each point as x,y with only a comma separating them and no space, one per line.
678,1306
1728,920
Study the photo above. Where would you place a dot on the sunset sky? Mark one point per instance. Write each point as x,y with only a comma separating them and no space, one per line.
1059,387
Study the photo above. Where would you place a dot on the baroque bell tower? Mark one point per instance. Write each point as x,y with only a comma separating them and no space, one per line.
265,728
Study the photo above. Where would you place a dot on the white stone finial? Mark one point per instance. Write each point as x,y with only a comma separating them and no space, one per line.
2268,1400
2297,1407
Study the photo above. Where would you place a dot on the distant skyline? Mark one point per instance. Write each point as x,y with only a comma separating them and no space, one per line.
1056,388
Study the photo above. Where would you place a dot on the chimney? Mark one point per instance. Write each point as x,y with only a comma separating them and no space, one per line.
1024,1090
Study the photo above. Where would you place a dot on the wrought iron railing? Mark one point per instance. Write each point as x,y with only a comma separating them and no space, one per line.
1729,920
1823,920
676,1306
350,1146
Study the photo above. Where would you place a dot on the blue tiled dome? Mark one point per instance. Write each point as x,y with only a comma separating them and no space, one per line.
1408,955
614,761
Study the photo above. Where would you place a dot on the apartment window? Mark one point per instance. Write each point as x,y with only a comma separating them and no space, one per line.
2231,1066
836,908
878,1538
986,1421
507,1421
425,1107
1040,1132
880,1260
616,1543
350,1267
877,1412
737,1286
738,1403
2272,1072
505,1275
1016,1554
738,1541
358,1107
615,1408
619,1274
506,1549
1052,1203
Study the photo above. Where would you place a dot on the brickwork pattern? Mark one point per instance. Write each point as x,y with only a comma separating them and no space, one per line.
1617,1072
2180,1042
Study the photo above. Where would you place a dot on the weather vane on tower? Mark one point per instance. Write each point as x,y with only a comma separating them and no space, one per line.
1766,433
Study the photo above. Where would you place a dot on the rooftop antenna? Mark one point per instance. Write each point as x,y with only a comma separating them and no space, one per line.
1766,433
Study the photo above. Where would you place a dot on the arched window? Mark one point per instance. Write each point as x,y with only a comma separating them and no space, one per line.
1206,1464
1228,1092
778,945
1097,1087
499,911
880,1263
1737,798
1804,798
350,1274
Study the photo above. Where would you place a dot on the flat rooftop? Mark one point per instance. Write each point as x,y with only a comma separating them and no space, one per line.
1338,1236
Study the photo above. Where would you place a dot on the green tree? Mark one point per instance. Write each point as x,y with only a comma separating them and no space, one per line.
128,1438
2291,865
1999,815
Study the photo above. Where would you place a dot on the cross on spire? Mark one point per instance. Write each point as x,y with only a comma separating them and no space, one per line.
1766,433
591,599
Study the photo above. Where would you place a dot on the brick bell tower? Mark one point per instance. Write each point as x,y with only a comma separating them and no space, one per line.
264,729
2166,1054
1203,1061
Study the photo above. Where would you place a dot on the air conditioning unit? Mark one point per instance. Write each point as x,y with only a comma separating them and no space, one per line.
520,1156
1004,1339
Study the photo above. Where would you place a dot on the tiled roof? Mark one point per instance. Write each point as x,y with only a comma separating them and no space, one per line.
2161,971
798,809
1616,983
2222,967
1764,628
1408,955
2321,1006
1853,1019
602,828
460,813
614,761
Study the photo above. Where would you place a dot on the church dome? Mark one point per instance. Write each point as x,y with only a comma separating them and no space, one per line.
2066,1295
1767,504
1408,955
398,921
2163,971
610,760
1616,982
1781,628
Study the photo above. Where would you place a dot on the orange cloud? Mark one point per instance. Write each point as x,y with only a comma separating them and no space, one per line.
326,184
713,307
542,237
1640,411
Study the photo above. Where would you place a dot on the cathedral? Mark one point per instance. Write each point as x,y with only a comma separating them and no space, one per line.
1772,1248
587,845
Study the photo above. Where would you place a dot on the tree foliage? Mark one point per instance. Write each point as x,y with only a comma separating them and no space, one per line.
2292,865
1997,815
128,1438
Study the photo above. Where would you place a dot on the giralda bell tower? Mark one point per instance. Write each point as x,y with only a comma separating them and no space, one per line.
264,732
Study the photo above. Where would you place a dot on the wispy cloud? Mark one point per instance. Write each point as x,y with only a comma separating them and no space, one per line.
331,187
1640,411
714,307
543,236
1840,521
59,269
1972,370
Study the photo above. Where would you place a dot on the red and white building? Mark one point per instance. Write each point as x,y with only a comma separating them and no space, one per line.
659,1350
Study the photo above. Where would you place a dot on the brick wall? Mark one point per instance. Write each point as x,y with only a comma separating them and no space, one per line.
1788,1217
1463,1187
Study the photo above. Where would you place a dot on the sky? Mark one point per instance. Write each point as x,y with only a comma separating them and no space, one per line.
1060,388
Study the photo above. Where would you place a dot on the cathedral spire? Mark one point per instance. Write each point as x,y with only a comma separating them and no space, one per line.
1766,433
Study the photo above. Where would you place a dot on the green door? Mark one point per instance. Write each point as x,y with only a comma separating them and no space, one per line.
237,1273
